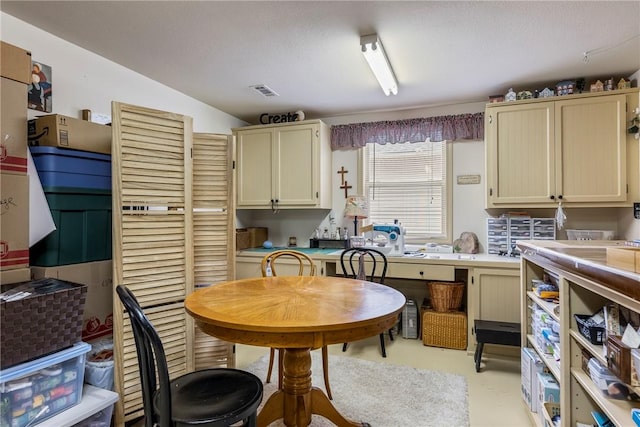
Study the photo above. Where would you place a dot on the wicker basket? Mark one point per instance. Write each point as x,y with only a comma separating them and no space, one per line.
46,321
448,330
446,296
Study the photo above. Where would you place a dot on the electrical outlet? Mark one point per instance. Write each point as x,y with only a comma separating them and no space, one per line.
636,210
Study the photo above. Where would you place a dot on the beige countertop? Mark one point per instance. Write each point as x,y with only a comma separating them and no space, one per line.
583,257
457,260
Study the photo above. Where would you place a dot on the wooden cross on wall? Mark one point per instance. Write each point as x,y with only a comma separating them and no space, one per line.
345,185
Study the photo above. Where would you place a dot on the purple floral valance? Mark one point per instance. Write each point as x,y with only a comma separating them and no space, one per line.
451,128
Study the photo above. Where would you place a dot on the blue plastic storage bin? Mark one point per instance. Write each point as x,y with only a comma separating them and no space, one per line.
35,391
62,167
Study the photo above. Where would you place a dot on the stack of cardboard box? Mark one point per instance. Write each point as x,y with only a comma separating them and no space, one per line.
15,71
73,161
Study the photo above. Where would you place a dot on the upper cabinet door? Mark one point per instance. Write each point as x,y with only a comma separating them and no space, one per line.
520,154
255,167
591,164
296,177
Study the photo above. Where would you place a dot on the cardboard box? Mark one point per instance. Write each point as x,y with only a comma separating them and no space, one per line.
15,276
531,366
15,63
13,127
251,237
548,391
14,221
98,308
627,258
243,239
66,132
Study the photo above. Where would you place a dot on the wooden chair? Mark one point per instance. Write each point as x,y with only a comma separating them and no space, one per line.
204,398
306,267
353,261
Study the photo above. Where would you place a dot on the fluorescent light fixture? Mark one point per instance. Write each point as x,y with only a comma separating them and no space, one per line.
376,57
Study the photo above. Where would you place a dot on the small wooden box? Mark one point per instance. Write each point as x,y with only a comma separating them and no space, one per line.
619,358
444,329
252,237
626,258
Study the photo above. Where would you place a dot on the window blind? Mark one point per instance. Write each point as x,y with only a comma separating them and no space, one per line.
408,182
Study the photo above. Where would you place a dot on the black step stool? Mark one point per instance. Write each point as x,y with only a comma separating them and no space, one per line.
492,332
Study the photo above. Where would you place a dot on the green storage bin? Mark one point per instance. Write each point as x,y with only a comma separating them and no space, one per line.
83,228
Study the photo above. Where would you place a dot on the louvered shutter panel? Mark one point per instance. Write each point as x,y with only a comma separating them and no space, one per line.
213,213
152,239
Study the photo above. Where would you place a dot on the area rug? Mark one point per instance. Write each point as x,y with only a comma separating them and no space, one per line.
384,395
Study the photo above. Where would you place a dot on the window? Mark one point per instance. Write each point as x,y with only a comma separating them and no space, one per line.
411,183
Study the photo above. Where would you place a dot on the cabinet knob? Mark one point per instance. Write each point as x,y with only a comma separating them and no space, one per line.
552,197
422,273
560,197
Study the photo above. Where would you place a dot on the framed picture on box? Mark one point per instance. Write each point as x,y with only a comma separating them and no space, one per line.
39,95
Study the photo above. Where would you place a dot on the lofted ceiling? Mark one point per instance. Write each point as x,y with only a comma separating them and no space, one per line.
442,52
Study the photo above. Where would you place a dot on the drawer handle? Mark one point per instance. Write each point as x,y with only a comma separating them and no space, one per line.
422,273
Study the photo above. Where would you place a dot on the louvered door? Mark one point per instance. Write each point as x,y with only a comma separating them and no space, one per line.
213,218
152,239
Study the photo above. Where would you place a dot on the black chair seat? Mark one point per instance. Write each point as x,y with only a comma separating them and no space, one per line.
234,397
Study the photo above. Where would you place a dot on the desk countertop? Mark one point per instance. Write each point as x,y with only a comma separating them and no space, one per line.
584,258
460,260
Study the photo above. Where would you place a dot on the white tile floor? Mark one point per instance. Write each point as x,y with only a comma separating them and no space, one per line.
494,393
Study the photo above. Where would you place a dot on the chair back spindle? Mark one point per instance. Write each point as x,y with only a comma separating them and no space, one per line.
354,262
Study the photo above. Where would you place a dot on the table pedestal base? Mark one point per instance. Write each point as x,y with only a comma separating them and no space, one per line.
298,400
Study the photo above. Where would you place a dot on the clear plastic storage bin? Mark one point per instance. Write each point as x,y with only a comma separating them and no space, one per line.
590,234
37,390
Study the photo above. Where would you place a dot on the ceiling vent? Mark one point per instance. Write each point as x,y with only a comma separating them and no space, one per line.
264,90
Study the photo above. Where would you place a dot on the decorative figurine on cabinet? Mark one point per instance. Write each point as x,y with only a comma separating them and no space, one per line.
524,94
624,84
510,96
598,86
546,93
565,87
608,84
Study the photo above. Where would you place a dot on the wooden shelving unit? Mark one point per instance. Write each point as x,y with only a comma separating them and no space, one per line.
580,293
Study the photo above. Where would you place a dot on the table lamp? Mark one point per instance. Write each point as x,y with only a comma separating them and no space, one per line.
357,208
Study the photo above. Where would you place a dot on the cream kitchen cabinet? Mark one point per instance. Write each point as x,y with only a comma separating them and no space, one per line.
571,149
494,294
283,166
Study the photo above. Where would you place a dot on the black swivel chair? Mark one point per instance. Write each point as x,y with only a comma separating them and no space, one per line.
353,261
209,397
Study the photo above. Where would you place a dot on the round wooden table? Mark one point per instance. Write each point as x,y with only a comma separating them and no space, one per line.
297,314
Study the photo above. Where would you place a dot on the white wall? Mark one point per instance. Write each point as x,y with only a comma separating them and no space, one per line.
84,80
